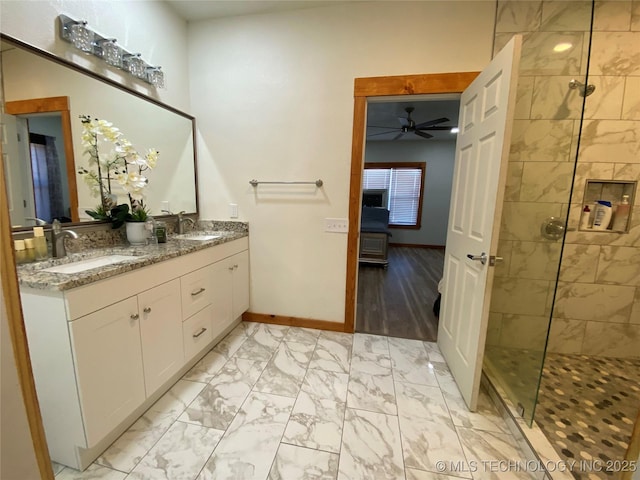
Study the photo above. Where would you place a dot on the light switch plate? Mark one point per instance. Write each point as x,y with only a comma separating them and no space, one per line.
336,225
233,210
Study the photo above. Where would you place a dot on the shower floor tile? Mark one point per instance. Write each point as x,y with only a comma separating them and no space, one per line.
587,407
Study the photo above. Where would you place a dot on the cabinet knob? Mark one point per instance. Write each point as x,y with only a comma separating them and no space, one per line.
230,269
235,266
135,316
147,309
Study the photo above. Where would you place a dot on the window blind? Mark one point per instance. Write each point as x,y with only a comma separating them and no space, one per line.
403,185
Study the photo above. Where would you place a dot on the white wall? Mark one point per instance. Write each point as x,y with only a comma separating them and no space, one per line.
273,95
147,27
17,455
439,157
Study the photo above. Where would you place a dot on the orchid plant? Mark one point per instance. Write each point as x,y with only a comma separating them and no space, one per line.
119,170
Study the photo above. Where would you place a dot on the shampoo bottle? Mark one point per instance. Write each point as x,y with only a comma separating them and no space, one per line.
622,215
602,215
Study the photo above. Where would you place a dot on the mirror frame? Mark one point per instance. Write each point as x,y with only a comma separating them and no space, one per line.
119,86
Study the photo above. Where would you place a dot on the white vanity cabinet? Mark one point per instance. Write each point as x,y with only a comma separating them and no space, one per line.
103,352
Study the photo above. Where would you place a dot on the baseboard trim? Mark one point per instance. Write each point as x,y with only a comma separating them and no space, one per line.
417,245
292,321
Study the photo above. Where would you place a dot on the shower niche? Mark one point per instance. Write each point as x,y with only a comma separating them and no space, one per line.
618,194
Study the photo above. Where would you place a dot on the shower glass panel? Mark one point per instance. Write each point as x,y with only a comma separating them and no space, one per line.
540,175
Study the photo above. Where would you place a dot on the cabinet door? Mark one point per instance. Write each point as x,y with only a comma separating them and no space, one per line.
161,333
222,292
240,263
108,363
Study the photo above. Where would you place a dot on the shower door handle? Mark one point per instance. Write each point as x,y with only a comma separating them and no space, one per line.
482,258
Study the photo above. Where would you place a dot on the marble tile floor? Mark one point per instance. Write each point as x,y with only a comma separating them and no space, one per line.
271,402
587,407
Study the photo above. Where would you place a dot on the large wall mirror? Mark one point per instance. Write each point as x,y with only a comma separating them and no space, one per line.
40,165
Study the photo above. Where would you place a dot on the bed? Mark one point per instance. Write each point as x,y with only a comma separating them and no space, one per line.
374,236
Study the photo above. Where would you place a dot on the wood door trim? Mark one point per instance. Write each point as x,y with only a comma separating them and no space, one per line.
413,84
18,335
61,105
373,87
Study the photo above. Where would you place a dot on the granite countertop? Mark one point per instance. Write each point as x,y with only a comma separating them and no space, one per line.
31,275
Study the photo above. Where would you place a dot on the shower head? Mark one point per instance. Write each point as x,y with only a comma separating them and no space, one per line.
585,90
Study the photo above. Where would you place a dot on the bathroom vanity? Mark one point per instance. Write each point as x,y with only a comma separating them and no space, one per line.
108,342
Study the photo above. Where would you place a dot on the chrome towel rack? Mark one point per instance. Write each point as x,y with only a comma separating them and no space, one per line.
318,183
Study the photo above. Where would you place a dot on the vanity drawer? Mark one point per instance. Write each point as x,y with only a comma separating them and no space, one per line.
195,291
197,333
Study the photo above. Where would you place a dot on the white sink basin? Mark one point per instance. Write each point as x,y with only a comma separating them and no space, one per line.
195,236
89,264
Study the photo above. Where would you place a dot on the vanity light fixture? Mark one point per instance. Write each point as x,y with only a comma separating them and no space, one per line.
83,38
110,52
155,75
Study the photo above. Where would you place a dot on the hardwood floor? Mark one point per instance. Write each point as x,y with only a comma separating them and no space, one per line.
398,302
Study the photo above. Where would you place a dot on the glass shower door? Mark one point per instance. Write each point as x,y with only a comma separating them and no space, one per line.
540,177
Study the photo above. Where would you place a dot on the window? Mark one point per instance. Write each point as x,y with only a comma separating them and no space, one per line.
403,184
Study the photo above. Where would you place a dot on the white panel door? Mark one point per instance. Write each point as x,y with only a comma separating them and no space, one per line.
486,117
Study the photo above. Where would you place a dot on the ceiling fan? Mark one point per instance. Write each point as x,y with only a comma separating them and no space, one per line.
407,125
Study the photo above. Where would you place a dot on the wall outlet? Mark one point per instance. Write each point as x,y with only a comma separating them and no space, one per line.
233,210
336,225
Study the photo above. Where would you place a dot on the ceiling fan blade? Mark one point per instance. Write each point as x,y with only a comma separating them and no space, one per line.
382,133
378,126
435,128
431,122
398,136
422,134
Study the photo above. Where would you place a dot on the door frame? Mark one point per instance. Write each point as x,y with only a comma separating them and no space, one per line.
54,105
11,296
364,88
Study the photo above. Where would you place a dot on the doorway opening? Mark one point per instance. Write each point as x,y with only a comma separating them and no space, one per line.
407,177
367,90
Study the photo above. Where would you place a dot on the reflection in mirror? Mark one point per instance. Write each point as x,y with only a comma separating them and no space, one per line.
39,162
144,122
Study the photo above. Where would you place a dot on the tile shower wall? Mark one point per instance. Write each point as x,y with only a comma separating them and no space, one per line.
540,166
597,308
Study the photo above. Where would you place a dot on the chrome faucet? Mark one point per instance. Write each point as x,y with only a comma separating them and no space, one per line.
182,220
57,239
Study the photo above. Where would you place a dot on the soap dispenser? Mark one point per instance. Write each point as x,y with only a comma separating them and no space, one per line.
621,217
